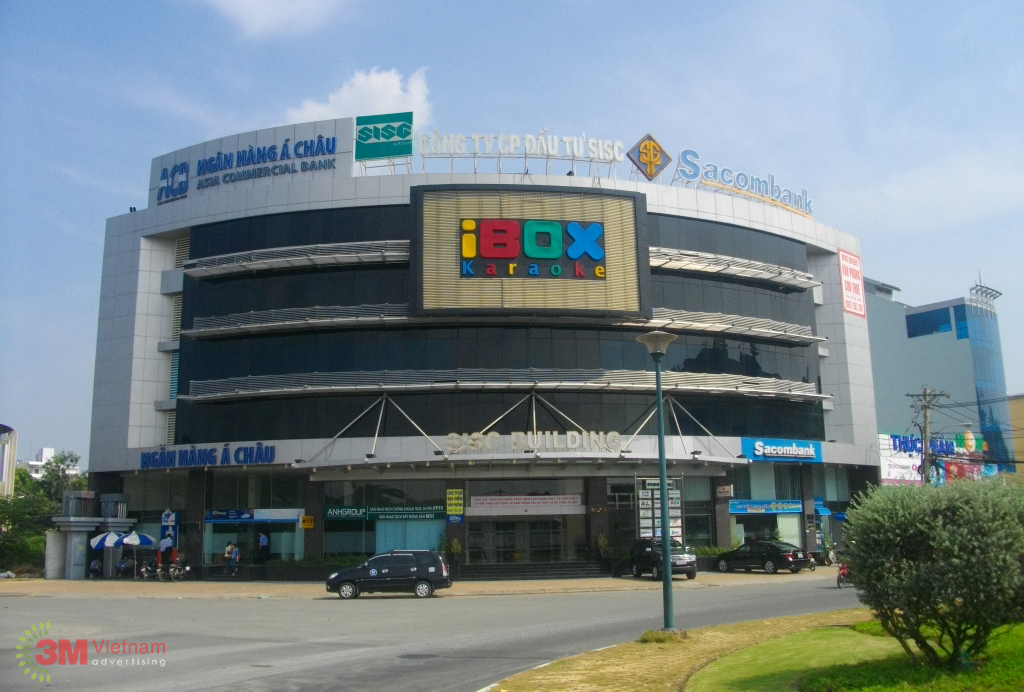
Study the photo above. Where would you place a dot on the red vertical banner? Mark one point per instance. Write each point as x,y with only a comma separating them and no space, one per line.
853,284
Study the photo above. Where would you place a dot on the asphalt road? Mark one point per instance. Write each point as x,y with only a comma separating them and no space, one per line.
380,642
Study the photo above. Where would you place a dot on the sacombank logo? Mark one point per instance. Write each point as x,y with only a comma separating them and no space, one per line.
532,248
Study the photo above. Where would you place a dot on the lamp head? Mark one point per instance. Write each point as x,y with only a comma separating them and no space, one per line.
656,342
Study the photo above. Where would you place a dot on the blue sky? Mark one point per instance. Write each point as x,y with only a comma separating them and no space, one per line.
903,120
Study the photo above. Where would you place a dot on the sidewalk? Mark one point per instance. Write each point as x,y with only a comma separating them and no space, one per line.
123,589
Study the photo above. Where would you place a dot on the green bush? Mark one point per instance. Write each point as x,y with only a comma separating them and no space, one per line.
708,551
941,567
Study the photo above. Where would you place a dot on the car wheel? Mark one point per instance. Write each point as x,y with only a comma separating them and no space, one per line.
656,573
723,565
347,589
691,575
637,573
770,567
423,589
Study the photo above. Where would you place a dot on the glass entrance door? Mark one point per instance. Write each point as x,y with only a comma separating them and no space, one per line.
521,539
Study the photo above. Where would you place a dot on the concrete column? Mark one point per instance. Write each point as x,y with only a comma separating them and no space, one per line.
597,502
723,533
807,501
312,495
195,512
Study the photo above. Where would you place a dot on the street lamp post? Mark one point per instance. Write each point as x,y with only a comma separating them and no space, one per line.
657,344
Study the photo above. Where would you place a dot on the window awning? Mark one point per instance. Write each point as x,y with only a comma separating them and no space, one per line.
824,511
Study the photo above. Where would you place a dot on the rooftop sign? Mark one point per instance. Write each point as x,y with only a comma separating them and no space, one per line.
763,189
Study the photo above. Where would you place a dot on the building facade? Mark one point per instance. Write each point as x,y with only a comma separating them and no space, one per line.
953,349
333,349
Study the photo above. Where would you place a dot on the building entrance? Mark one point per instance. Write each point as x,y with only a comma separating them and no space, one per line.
560,538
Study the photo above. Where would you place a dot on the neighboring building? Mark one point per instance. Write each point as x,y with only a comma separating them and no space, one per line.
36,465
1017,436
952,348
355,362
8,454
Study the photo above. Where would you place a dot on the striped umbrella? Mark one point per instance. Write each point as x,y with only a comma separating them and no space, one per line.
108,539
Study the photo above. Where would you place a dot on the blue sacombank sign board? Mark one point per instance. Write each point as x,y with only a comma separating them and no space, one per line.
768,449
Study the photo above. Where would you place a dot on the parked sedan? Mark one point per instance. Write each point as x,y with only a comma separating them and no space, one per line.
771,556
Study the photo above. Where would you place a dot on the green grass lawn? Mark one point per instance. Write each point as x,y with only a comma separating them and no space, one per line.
844,660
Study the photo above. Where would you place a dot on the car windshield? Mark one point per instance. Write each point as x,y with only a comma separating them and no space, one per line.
677,546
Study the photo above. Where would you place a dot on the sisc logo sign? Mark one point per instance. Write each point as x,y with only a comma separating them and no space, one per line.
383,136
532,248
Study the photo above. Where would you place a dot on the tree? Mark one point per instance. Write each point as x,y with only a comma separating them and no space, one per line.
24,520
940,566
57,476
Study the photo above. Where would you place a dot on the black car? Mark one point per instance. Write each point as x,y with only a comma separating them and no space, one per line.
645,556
771,556
416,571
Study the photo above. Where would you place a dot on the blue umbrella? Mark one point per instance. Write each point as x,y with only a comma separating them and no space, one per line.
137,539
108,539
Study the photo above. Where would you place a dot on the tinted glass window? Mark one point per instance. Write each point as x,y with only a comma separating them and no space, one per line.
402,562
380,562
930,322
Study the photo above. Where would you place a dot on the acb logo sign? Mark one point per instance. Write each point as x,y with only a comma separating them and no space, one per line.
173,183
532,248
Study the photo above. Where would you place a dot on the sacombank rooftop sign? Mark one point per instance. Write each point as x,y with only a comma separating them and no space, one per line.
764,188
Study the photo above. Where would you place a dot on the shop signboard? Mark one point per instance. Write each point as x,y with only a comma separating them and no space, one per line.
344,512
455,500
765,507
235,515
758,449
285,515
382,512
648,493
405,513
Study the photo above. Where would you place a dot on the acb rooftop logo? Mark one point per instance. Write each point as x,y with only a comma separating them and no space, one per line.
532,248
383,136
173,183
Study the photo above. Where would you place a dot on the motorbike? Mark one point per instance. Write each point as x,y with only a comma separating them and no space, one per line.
178,571
149,570
843,577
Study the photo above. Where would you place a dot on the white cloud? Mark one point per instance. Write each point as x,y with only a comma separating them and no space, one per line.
370,92
266,17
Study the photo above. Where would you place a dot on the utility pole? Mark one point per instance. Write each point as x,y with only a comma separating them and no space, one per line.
923,403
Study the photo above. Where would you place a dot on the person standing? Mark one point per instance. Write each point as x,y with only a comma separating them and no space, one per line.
264,547
166,549
233,560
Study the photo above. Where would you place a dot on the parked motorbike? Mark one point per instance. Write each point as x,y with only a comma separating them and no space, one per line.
178,571
148,570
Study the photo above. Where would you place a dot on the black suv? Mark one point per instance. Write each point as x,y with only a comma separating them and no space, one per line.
645,556
417,571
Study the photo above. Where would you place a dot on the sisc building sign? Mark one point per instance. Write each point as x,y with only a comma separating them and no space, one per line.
383,136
